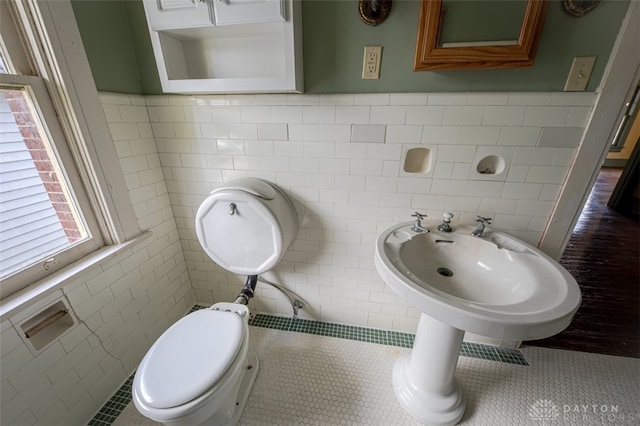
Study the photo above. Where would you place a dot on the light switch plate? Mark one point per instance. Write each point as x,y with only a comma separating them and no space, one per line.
579,73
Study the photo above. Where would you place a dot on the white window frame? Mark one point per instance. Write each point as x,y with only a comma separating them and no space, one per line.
56,62
36,90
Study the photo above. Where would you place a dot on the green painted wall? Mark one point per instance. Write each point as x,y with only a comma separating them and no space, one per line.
116,39
120,54
334,38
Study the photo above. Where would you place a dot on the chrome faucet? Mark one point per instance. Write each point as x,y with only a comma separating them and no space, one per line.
482,222
417,226
445,226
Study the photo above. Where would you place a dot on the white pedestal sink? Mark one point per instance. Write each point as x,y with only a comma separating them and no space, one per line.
495,286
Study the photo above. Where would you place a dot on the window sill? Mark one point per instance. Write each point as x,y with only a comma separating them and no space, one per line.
41,288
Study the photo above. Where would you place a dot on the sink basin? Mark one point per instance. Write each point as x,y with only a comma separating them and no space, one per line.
495,286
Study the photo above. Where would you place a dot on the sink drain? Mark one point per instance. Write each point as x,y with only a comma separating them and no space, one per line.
445,272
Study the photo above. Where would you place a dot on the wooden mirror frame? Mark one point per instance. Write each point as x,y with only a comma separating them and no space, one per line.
431,57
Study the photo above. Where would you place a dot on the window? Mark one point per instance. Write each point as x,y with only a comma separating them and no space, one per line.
45,218
54,206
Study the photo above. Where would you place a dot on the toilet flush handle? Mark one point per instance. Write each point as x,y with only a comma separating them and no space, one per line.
232,209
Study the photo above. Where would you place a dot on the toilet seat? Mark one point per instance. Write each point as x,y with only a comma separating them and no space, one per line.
189,358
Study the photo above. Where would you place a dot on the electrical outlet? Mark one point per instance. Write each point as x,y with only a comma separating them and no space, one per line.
579,74
371,62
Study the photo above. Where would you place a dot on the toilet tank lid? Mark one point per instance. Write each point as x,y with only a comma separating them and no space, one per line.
189,358
251,185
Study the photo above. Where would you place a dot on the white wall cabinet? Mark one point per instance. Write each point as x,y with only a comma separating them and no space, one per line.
173,14
231,12
227,46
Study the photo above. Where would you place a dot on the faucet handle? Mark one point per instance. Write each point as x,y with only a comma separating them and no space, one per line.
485,220
418,216
447,216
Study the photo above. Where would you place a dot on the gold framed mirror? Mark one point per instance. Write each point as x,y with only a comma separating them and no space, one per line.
433,55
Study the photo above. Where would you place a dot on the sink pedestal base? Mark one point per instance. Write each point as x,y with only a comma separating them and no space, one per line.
424,381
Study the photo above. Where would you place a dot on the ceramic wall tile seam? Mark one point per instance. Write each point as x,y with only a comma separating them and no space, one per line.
488,98
547,116
418,98
479,135
133,113
519,136
440,134
372,99
504,115
538,223
303,99
19,405
533,156
528,98
579,116
124,131
319,114
560,137
112,113
9,340
108,98
188,100
408,99
352,114
534,207
547,174
511,222
424,115
338,99
387,114
266,99
445,99
498,206
463,115
587,99
403,134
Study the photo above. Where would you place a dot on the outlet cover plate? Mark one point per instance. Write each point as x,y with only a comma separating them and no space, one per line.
371,62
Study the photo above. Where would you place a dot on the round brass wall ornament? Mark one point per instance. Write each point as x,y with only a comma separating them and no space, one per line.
374,12
579,7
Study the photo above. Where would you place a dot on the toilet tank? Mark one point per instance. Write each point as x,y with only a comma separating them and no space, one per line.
246,225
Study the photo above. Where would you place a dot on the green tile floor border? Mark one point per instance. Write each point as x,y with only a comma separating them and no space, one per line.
112,409
382,337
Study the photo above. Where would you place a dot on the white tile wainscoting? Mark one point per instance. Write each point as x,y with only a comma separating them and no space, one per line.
122,305
340,159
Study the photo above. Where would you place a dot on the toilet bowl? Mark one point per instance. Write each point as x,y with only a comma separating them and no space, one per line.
200,370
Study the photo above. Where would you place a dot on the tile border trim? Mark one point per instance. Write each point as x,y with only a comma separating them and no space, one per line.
379,336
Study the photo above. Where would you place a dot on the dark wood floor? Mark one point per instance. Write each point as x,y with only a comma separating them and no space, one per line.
603,256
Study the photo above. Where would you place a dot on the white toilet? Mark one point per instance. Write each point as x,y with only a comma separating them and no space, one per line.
200,370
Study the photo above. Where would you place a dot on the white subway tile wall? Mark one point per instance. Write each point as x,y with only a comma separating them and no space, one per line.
339,157
127,301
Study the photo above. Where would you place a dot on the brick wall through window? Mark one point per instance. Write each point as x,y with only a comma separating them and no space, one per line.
43,163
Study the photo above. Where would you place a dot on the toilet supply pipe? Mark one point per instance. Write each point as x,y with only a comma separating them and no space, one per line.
247,291
296,304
